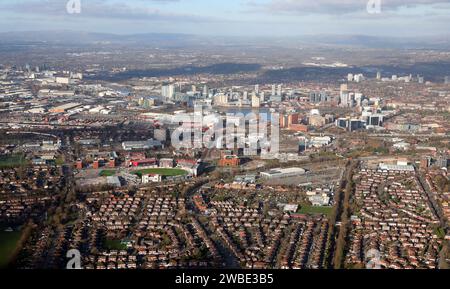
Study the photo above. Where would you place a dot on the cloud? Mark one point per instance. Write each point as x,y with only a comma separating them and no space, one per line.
333,6
103,9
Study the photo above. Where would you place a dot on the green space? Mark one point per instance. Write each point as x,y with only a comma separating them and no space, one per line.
162,172
111,244
60,161
12,161
107,173
312,210
8,243
440,233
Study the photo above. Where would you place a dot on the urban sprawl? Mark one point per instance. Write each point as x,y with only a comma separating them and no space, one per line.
358,178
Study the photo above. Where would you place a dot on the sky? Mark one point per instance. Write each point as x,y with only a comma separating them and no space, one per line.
395,18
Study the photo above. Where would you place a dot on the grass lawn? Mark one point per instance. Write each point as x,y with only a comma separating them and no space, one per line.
311,210
60,161
114,245
8,243
12,161
107,173
162,172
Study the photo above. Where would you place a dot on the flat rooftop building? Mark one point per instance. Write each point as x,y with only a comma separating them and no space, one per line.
64,107
283,173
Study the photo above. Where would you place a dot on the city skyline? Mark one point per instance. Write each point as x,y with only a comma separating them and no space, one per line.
231,18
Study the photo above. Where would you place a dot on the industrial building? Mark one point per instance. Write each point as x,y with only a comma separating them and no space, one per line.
141,145
65,107
283,173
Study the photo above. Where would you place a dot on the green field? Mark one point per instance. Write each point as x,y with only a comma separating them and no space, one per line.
12,161
311,210
114,245
8,243
162,172
107,173
60,161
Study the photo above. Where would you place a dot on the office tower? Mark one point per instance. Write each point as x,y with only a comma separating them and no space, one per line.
358,98
205,91
343,96
350,77
168,91
257,89
256,102
245,95
378,75
280,90
313,97
421,79
273,89
220,99
262,96
358,77
194,88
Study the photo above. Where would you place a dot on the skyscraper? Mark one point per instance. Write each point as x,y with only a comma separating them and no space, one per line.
255,101
273,89
168,91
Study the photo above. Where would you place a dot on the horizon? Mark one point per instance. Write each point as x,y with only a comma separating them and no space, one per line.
234,18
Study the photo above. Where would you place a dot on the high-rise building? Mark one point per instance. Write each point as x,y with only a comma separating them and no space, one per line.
359,77
350,77
256,102
168,91
280,90
221,99
273,89
378,75
205,91
257,89
317,97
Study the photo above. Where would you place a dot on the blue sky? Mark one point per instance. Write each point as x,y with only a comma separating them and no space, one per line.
231,17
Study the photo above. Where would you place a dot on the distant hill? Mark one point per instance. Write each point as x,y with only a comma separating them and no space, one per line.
75,37
180,40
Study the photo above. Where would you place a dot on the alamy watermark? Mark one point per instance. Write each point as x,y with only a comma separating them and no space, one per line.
73,6
374,7
74,262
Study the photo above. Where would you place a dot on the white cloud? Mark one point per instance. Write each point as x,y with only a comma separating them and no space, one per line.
333,6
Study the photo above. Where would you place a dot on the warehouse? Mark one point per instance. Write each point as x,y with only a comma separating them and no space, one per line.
283,173
64,107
